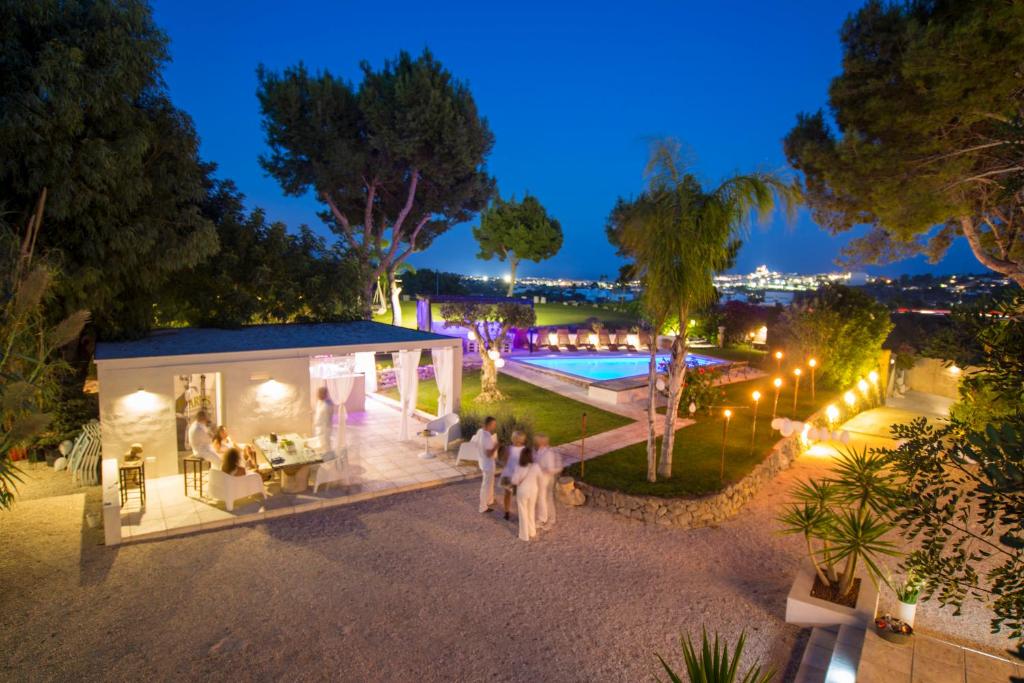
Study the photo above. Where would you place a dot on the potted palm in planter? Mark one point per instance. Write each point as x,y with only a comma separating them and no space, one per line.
842,519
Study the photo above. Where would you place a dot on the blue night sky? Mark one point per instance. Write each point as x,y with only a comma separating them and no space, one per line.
573,93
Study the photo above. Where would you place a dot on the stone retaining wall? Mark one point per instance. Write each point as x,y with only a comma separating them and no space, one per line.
690,513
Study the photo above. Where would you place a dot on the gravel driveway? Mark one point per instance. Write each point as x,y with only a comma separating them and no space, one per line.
414,587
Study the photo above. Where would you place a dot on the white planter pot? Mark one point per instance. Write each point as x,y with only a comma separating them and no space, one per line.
905,611
804,610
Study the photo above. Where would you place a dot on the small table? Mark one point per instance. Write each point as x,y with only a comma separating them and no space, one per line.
290,456
132,475
426,434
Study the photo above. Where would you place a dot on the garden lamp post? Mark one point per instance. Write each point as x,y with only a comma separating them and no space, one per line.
812,364
862,386
778,361
832,413
753,430
725,432
873,378
850,399
777,383
796,387
531,335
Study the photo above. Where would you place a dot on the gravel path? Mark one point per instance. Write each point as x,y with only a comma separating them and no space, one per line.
415,587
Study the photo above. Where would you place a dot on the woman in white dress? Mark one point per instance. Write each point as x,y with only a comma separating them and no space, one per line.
509,470
527,482
550,462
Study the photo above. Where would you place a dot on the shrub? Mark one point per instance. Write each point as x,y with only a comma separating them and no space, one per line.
842,327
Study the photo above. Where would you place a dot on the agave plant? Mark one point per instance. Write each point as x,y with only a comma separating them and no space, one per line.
715,663
842,519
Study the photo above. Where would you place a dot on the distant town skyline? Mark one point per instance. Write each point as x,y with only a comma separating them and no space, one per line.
572,109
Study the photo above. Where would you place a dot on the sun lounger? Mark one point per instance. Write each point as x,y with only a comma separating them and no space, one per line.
563,341
644,340
622,340
604,343
587,339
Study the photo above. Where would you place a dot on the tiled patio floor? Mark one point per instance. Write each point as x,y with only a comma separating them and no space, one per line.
382,465
927,660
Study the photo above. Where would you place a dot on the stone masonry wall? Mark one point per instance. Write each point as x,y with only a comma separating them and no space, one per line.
690,513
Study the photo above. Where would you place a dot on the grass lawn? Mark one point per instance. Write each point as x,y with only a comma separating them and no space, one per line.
547,314
698,448
555,415
757,359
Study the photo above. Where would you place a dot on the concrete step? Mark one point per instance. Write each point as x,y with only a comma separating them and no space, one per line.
846,655
817,655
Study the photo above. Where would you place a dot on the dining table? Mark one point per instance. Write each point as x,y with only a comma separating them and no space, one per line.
288,455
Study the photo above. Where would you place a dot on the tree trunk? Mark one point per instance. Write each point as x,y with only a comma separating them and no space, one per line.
677,373
396,300
652,408
1004,266
513,263
488,379
366,305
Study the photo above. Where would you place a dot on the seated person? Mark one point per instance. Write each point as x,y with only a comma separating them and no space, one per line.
222,443
233,463
199,439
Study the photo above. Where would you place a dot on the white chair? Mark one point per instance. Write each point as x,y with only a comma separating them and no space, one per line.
447,428
229,488
470,450
332,470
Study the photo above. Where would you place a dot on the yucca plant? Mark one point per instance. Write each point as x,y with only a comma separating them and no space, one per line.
842,519
715,663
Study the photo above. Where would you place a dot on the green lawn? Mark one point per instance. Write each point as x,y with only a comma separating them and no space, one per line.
547,314
698,448
753,356
555,415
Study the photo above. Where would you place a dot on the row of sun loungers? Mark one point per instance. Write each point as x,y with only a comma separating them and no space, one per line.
587,340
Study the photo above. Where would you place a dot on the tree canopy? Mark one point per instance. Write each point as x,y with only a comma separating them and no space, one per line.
262,273
397,160
84,113
928,128
513,231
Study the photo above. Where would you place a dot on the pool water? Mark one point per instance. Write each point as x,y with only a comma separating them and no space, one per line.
605,367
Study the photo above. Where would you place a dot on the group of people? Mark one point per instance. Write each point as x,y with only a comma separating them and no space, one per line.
218,448
529,475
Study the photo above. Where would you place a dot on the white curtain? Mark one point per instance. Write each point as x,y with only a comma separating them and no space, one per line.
443,360
407,364
335,373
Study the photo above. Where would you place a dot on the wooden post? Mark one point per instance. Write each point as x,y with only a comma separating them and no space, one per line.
583,442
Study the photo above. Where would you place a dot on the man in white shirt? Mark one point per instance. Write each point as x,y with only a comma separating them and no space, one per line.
200,441
323,423
550,462
488,443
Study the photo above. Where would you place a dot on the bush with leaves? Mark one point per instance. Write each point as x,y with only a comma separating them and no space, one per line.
715,663
842,327
843,519
962,486
28,370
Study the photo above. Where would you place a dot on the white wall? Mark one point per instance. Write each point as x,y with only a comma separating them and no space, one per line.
250,407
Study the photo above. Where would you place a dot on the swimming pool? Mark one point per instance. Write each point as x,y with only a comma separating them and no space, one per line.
607,367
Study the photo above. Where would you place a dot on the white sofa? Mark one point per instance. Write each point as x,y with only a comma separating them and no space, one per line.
229,488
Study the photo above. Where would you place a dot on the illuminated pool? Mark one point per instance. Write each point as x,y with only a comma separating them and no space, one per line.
604,367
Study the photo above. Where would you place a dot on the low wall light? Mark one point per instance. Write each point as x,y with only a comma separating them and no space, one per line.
850,398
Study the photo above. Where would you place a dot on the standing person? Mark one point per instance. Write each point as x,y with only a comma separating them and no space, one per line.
550,461
200,441
507,472
527,482
323,423
488,444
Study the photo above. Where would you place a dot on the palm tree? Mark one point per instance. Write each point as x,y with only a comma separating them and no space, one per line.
679,235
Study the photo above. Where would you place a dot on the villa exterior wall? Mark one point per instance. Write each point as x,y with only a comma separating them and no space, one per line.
137,404
691,513
930,376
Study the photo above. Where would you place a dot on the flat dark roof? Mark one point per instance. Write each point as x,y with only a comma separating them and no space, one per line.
184,341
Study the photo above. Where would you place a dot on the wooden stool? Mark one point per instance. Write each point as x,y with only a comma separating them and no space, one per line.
193,473
132,475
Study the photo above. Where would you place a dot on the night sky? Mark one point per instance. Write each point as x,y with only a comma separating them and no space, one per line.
573,93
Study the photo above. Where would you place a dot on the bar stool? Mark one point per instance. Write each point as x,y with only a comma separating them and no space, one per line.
132,475
193,474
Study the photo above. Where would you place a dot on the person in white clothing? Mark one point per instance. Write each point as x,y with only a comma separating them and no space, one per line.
527,483
323,423
509,470
200,440
488,444
550,462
